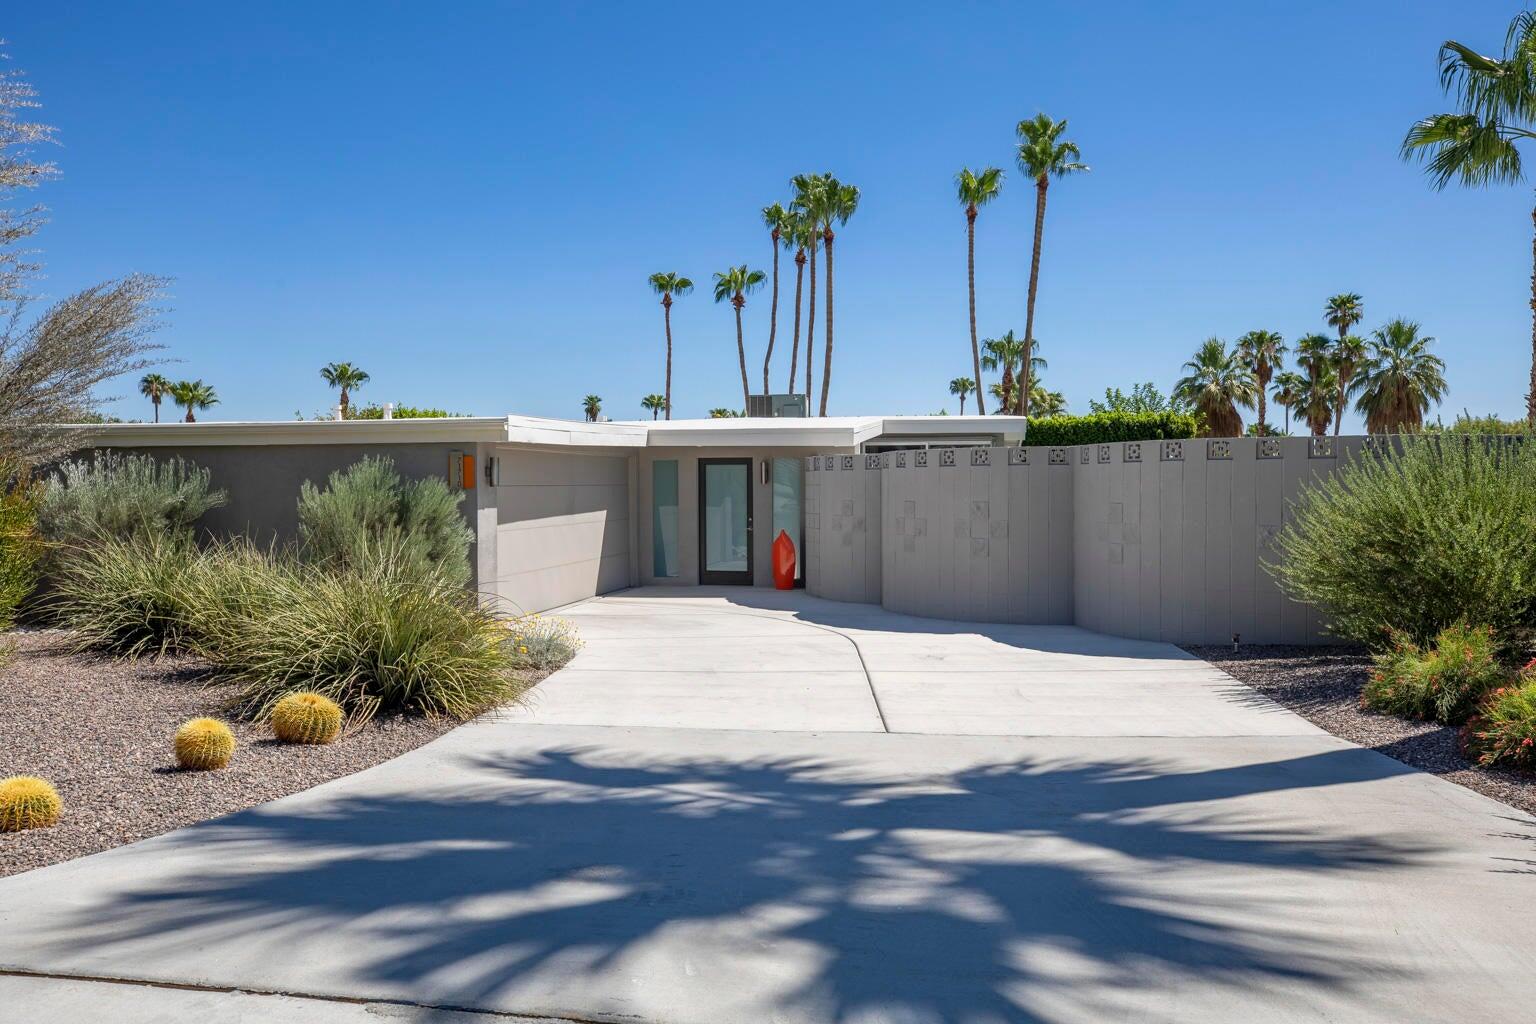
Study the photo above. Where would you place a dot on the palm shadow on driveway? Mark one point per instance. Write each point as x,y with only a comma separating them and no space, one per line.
838,892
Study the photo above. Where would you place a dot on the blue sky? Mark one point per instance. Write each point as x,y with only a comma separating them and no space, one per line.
467,198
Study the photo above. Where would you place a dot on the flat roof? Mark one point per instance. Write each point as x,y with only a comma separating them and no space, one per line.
790,432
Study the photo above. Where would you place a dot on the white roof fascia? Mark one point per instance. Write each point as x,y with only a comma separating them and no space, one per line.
461,429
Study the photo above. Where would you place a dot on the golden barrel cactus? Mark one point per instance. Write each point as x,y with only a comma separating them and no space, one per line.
203,744
306,718
28,802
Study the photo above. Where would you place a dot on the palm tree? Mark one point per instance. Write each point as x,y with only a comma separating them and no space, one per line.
154,387
963,386
668,285
1347,357
592,405
1288,385
655,403
192,395
1029,377
1343,311
1005,353
1314,354
1043,155
792,239
1262,350
346,377
724,414
827,201
778,221
1046,403
1477,144
1400,379
975,191
1219,381
733,285
806,187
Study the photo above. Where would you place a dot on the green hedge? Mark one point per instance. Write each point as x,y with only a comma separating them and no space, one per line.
1103,427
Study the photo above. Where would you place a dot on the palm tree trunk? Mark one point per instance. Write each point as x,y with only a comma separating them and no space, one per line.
157,410
773,310
1287,418
810,338
1338,409
344,403
1041,184
794,350
1263,424
190,417
826,363
1008,397
741,352
1530,396
970,277
666,312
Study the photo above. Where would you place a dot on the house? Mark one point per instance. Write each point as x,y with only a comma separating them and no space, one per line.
563,510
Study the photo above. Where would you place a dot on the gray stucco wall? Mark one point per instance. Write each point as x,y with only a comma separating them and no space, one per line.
1155,540
561,523
263,481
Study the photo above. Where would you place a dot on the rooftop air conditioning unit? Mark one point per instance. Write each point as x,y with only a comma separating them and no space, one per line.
777,406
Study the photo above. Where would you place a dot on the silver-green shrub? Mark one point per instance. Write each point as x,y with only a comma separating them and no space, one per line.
1436,531
369,507
123,496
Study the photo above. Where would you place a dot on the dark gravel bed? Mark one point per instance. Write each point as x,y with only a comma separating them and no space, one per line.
1323,684
100,730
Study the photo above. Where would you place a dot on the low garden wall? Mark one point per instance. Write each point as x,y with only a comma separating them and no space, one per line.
1159,540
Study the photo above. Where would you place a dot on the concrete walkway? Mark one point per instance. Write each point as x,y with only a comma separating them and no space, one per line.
660,839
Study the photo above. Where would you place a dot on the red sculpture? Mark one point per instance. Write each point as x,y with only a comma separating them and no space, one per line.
783,562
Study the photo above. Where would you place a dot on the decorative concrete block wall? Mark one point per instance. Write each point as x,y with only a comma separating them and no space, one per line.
1160,540
842,527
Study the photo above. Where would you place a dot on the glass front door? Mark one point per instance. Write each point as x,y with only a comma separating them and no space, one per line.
725,521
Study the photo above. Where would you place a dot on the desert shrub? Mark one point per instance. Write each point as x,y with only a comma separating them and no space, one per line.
1443,683
1415,541
128,597
374,411
28,802
369,507
112,495
1104,427
378,631
1504,731
203,744
21,546
542,644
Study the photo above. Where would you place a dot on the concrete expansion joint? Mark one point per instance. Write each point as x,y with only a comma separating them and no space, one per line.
235,990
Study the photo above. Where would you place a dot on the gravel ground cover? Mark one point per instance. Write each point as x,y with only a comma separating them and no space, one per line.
100,730
1322,685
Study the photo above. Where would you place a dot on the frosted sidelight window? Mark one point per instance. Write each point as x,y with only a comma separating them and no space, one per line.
788,502
664,518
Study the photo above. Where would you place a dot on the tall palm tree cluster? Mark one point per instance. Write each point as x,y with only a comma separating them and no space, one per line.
807,225
1043,155
1392,376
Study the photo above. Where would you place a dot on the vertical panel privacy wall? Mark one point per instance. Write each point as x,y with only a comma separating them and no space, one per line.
1160,540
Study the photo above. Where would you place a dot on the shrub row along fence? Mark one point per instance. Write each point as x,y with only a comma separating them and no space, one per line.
1156,539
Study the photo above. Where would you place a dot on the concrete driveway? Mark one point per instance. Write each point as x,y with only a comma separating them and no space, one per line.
907,822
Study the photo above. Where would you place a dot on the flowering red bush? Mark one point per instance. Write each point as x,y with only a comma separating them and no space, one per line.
1504,731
